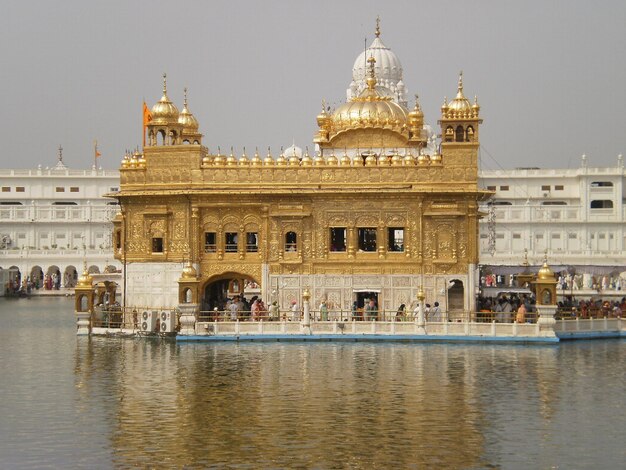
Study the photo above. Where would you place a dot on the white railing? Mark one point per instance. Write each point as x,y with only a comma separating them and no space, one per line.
58,213
56,172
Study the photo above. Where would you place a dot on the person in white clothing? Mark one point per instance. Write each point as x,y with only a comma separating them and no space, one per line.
435,313
295,313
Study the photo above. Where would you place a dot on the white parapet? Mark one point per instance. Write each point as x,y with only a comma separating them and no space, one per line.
153,285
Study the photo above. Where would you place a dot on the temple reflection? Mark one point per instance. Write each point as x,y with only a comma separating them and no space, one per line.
288,404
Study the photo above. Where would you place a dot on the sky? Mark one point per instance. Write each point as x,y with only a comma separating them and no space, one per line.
550,76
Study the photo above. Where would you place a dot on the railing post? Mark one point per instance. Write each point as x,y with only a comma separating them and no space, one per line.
306,320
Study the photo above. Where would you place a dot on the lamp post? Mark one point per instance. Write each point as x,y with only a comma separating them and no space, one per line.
306,319
421,321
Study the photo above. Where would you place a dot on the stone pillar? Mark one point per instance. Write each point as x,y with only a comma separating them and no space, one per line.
83,303
421,320
188,318
83,323
306,317
546,321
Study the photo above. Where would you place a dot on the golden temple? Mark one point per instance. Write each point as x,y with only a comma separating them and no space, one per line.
379,210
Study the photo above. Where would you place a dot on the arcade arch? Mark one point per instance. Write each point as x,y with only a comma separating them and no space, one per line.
219,289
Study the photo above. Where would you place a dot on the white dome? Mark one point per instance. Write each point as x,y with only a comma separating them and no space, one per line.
293,150
387,69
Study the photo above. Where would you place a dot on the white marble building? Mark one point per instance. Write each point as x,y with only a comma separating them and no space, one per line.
577,215
54,219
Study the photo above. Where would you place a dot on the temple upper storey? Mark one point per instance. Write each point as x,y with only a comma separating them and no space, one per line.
372,138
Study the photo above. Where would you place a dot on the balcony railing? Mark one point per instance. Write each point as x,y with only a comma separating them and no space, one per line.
58,213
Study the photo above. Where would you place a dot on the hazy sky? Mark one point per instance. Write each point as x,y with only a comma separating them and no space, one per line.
550,75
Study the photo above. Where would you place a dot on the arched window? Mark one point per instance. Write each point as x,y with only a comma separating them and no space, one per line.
160,137
291,242
602,204
470,134
460,134
449,134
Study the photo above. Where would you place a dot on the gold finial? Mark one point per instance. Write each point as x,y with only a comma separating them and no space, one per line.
60,154
461,81
417,103
219,150
244,152
164,84
545,257
377,26
185,100
420,294
371,80
525,257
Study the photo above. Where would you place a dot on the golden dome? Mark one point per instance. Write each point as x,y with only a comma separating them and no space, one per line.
164,112
219,158
306,159
322,118
243,160
423,160
188,120
125,161
396,160
383,160
370,160
408,160
281,160
345,160
318,160
189,272
332,160
85,280
206,160
231,160
435,158
416,116
460,103
369,109
269,160
545,273
256,160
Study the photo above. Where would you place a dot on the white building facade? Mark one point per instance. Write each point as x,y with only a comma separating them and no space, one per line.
53,220
575,215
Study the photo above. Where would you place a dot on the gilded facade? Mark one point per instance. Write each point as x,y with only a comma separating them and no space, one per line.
381,208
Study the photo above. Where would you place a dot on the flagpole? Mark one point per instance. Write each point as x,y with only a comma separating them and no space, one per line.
95,154
143,123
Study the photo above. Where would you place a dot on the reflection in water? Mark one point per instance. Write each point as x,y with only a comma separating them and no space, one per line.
101,402
327,404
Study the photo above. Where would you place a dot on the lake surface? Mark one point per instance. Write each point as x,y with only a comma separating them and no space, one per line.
111,403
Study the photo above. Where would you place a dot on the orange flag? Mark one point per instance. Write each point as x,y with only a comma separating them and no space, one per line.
147,117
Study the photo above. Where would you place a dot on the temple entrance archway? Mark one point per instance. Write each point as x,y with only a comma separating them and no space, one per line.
219,289
456,296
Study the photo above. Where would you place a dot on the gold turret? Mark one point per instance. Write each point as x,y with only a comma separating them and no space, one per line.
459,119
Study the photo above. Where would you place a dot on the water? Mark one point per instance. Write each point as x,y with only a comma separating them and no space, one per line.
104,402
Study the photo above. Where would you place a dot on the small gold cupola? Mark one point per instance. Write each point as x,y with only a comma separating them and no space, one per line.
164,128
190,134
460,119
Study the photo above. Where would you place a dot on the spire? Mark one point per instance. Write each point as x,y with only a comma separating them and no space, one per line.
377,32
185,99
460,87
60,154
164,84
371,80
